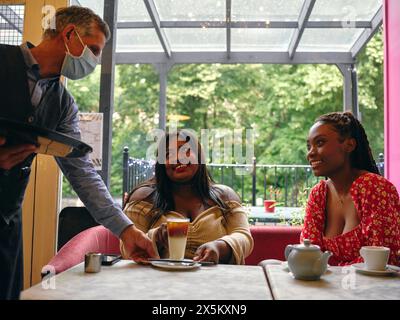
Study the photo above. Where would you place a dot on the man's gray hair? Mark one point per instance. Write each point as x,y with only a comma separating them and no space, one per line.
83,18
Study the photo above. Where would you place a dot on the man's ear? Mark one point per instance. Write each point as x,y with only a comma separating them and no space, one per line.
350,144
67,32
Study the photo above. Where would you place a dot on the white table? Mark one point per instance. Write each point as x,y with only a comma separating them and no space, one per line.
281,215
338,283
128,280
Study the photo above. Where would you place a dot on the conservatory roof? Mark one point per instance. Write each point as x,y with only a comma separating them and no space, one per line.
242,31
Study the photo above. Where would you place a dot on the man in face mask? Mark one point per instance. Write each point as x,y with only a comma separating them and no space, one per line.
31,92
77,67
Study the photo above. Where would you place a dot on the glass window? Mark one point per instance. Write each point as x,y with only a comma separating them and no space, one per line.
19,10
260,10
11,24
129,10
191,10
96,5
196,39
138,40
260,39
339,10
328,39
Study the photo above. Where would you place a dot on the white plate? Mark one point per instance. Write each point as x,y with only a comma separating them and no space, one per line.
390,270
175,265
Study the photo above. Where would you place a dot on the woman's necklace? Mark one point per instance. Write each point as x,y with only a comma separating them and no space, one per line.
340,198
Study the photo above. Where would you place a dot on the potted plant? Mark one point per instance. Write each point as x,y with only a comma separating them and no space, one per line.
271,203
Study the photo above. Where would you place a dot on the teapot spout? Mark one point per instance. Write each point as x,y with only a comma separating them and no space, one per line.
325,257
321,264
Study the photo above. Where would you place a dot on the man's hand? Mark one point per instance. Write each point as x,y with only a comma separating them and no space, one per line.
137,245
11,156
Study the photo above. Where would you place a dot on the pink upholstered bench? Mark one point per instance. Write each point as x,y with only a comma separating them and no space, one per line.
95,239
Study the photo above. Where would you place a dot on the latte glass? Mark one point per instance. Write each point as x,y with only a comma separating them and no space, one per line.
177,236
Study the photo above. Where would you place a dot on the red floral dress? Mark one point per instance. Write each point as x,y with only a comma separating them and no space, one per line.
377,203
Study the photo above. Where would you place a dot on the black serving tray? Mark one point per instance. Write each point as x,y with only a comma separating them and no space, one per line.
49,142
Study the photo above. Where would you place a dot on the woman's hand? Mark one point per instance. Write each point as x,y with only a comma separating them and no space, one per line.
208,251
161,236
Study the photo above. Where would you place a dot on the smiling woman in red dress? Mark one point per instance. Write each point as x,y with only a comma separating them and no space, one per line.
355,206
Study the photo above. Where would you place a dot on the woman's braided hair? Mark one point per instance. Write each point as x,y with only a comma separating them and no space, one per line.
349,127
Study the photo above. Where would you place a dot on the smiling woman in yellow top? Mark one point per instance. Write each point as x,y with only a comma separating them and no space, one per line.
182,188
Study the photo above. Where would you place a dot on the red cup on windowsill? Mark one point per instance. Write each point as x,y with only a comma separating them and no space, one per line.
269,205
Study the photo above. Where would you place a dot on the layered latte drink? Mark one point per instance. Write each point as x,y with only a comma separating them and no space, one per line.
177,235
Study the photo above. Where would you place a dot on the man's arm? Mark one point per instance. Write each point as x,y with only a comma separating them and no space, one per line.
86,182
91,189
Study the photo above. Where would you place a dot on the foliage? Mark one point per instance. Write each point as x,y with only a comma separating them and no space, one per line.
297,216
279,102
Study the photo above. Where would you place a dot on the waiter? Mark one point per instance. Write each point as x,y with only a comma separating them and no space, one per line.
31,92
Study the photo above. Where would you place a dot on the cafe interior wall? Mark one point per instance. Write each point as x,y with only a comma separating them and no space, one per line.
41,202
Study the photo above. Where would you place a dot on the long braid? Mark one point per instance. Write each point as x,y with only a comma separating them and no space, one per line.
349,127
363,153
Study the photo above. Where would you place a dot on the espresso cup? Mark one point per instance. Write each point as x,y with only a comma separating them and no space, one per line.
177,236
375,258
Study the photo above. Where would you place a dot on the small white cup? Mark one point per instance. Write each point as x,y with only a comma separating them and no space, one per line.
375,258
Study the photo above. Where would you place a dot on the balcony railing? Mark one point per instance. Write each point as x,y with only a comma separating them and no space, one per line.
287,184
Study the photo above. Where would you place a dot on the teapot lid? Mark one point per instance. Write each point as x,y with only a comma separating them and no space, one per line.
307,246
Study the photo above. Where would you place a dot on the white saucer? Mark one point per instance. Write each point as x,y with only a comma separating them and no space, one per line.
176,266
285,266
390,270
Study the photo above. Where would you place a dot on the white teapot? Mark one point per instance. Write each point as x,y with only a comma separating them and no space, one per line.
306,261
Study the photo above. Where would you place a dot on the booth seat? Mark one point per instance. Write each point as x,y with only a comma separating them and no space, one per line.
269,243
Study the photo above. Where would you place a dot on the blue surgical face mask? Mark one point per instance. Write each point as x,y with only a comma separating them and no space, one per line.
79,67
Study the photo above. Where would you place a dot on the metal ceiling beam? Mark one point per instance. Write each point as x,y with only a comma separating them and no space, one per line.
303,19
12,19
367,34
338,24
228,27
155,18
245,24
235,57
135,25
